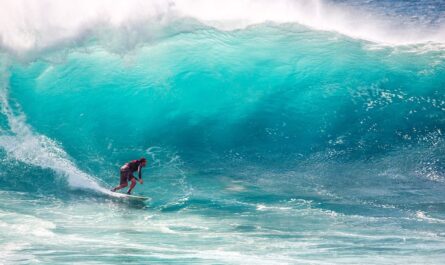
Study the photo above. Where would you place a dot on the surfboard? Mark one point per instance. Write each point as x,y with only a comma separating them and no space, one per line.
129,197
136,197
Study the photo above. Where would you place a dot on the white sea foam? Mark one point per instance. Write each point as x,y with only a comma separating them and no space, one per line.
27,25
22,144
12,253
422,216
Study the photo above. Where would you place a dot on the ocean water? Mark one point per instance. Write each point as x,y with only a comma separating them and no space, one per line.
276,132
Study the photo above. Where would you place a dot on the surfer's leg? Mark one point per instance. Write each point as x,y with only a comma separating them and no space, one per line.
123,181
133,183
120,187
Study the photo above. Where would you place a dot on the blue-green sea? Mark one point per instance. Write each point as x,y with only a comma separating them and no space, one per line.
276,132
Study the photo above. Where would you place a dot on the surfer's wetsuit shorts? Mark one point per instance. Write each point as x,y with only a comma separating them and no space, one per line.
126,174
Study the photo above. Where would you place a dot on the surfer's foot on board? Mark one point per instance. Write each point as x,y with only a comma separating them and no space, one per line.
113,189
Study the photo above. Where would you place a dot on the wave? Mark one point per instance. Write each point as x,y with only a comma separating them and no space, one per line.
304,100
227,98
28,25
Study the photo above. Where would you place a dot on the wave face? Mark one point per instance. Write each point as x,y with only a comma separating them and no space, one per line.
274,137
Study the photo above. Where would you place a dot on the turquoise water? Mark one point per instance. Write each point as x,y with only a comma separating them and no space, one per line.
275,143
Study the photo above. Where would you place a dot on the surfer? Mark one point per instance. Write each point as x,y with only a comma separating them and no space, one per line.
127,174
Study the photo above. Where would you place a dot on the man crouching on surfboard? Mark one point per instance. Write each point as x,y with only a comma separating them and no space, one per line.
127,174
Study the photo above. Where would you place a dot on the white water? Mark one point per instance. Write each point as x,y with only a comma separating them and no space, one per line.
24,145
27,25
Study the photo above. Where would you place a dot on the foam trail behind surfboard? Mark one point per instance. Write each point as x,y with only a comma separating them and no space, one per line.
26,146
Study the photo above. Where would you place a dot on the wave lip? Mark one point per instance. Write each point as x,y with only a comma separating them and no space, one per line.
30,25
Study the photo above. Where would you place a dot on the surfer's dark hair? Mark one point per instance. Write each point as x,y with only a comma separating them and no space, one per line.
143,159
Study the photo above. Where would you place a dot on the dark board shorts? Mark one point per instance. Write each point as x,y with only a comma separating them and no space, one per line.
126,175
